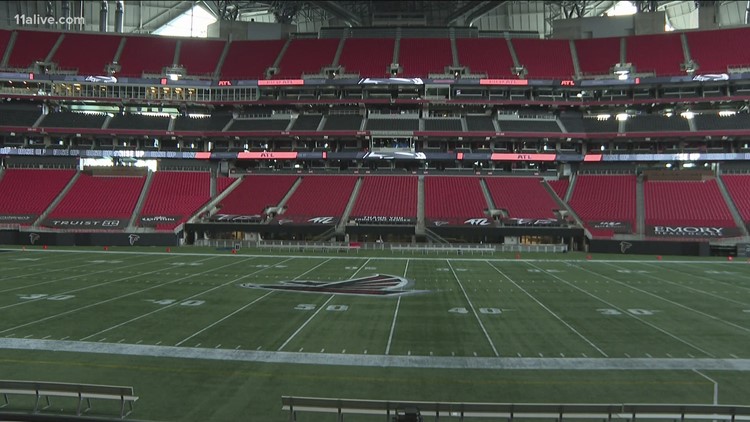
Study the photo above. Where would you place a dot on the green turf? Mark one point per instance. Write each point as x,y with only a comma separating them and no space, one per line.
561,306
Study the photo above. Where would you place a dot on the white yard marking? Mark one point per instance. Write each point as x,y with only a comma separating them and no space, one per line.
395,315
716,385
294,334
611,305
223,319
550,311
471,305
185,299
217,346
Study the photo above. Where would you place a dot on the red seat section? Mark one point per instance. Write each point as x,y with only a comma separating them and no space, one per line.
306,56
200,57
319,196
522,197
560,187
609,199
222,183
739,189
31,46
486,55
176,195
545,58
370,57
686,203
99,51
255,193
714,51
453,199
26,194
4,39
386,196
99,198
660,53
250,59
421,56
597,56
146,55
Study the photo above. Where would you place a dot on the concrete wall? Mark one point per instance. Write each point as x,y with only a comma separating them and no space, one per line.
250,30
604,26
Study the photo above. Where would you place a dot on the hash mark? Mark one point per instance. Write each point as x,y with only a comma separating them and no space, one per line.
46,337
158,342
734,356
301,349
322,350
64,338
30,335
217,346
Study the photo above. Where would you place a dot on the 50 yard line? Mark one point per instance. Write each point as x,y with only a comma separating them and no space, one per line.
471,305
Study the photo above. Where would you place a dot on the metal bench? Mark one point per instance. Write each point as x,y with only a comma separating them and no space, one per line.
82,392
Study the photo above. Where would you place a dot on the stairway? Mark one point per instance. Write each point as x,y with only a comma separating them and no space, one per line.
341,226
732,207
640,205
141,201
420,229
57,200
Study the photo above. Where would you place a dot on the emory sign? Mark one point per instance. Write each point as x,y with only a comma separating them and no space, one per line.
691,231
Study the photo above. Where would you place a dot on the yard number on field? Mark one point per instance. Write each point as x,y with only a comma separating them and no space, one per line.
636,312
312,306
44,296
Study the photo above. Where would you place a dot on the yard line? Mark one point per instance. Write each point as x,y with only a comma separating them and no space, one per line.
688,308
393,327
184,299
43,264
223,319
114,298
305,323
706,278
471,305
570,327
311,269
87,274
395,315
613,306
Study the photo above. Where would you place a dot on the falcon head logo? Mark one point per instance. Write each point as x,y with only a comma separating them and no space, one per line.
133,238
33,237
624,246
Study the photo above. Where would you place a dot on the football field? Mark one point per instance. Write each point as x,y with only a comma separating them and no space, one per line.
204,334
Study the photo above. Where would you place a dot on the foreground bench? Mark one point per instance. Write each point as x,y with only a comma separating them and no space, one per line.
82,392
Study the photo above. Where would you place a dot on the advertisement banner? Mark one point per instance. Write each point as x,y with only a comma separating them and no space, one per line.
17,219
236,218
692,231
86,223
375,219
154,220
301,220
538,222
616,226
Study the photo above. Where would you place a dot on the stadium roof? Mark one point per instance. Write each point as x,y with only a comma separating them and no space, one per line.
310,16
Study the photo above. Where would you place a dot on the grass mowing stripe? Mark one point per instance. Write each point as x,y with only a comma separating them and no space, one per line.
550,311
43,264
107,300
471,305
613,306
294,334
82,288
184,299
313,268
680,305
223,319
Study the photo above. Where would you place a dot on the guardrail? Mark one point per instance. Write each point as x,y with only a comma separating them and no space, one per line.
509,412
421,248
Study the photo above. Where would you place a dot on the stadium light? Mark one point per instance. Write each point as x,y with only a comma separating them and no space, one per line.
687,114
727,113
621,117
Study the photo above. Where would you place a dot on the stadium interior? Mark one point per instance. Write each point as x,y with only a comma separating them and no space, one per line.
317,126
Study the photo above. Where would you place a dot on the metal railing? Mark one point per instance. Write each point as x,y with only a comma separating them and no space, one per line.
509,412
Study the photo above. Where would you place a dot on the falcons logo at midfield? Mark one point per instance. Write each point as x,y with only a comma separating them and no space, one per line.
374,285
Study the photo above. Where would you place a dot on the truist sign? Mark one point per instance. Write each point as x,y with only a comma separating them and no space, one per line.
693,231
85,223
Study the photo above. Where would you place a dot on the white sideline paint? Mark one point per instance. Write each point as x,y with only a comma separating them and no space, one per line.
391,258
550,311
471,305
641,320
